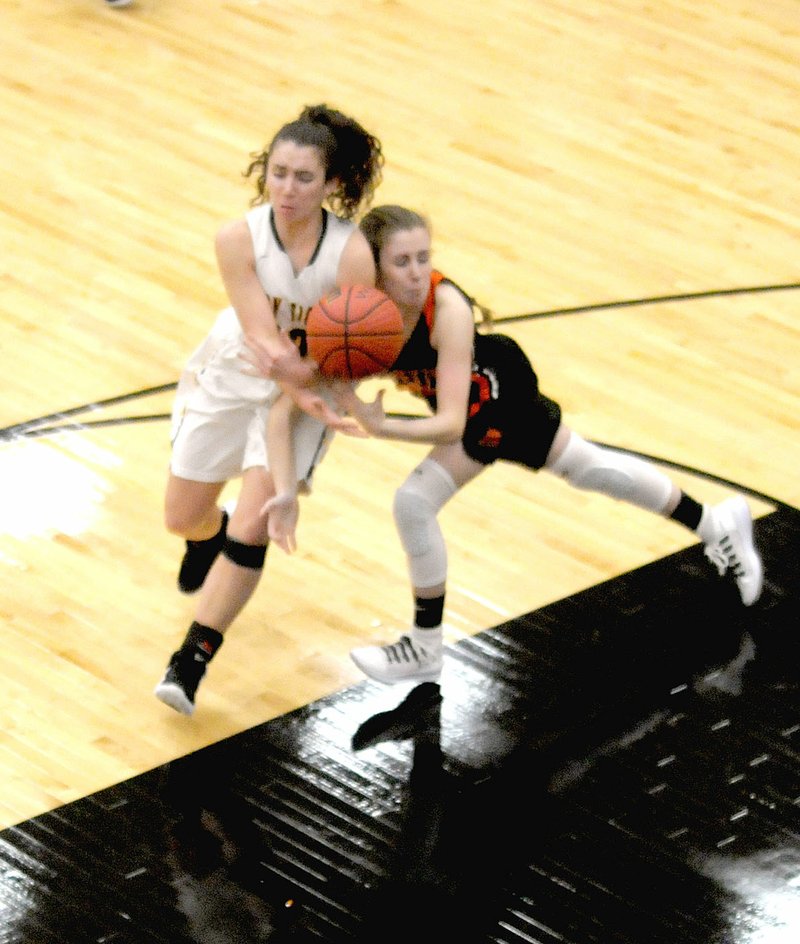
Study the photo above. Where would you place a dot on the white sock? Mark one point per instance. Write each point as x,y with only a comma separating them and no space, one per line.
428,639
707,529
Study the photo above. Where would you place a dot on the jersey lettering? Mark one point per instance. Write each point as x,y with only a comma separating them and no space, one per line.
298,337
289,314
480,392
420,383
298,314
291,317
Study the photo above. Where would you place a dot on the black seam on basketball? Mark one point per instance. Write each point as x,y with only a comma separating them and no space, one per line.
369,311
352,346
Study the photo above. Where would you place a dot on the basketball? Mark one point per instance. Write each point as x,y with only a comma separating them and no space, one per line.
354,332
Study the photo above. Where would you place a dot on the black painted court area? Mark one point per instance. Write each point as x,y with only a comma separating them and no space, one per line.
620,766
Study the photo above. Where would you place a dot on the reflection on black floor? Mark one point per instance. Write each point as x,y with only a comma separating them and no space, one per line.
621,766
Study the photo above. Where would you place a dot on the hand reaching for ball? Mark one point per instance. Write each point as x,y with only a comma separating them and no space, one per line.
315,405
370,416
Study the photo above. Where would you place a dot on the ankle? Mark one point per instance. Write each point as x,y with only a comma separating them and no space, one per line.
706,530
204,640
427,638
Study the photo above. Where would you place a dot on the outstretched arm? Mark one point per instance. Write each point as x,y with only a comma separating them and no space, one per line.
284,508
259,355
237,266
453,339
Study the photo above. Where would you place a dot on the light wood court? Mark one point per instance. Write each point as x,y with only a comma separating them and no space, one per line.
569,155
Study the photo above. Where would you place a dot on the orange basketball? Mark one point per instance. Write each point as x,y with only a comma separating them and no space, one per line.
354,332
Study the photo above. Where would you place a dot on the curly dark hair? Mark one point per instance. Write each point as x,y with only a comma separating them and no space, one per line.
350,154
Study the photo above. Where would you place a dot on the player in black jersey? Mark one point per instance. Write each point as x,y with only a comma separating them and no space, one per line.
486,405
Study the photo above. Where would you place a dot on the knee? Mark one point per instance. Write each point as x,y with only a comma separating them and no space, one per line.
249,556
182,519
413,516
619,475
190,507
591,468
249,529
185,515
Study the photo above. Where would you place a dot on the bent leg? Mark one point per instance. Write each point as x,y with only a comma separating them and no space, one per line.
191,511
418,654
416,506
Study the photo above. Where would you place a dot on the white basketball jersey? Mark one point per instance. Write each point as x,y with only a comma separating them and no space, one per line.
216,365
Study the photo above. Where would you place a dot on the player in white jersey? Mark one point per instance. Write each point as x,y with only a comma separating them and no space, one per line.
219,413
275,263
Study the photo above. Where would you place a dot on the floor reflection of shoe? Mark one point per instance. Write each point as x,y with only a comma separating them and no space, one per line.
733,550
399,662
178,687
413,716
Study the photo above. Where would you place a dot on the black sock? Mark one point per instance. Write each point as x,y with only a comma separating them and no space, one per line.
688,513
203,639
428,612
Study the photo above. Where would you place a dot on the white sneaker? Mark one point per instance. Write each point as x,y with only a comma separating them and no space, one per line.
732,547
401,661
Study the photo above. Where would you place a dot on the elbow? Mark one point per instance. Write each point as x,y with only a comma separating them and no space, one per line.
452,431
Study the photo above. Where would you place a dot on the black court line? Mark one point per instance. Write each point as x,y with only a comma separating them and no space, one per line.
37,431
32,433
29,426
653,300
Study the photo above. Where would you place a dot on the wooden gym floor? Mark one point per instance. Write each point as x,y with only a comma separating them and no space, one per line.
613,753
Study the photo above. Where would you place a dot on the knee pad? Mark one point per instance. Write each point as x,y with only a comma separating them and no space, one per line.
251,556
416,504
616,474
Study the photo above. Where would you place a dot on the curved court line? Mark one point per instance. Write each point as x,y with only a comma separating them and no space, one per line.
49,424
164,417
29,426
655,300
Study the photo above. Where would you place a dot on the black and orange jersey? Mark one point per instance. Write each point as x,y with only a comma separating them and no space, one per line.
415,368
507,417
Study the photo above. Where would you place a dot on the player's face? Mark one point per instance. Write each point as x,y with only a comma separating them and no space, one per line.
296,181
405,267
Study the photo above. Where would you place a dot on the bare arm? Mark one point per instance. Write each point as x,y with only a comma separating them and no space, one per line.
270,355
284,508
237,266
453,339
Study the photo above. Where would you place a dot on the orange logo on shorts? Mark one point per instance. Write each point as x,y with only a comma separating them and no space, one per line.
491,438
